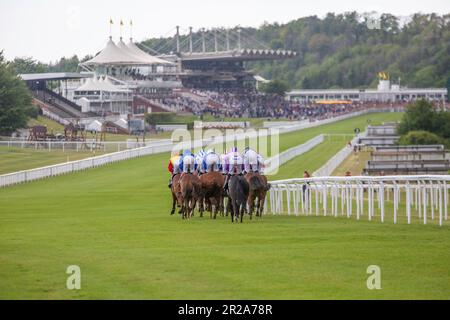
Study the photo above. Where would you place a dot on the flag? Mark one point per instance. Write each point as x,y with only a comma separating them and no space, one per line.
131,22
111,21
121,22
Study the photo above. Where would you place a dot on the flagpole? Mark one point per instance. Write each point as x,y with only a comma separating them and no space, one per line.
110,27
131,29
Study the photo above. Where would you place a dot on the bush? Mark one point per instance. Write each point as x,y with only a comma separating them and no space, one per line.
159,117
420,137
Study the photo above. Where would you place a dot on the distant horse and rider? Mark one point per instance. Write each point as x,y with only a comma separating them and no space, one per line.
208,179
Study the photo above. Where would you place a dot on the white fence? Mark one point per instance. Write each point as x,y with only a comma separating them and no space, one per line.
331,165
425,197
78,146
152,148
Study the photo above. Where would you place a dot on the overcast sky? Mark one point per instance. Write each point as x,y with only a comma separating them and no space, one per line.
50,29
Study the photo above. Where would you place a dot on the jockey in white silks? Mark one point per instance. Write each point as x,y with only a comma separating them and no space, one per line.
223,167
211,161
253,161
187,162
234,165
232,158
199,161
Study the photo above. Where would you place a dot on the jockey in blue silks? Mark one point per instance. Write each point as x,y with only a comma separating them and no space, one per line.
187,162
199,157
211,161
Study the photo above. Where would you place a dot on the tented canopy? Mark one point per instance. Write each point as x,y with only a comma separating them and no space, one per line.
100,85
121,54
143,55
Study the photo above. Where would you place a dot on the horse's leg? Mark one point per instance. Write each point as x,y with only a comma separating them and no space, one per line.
234,210
242,210
174,201
201,207
261,204
221,206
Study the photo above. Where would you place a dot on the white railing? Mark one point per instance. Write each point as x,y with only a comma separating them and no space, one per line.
328,168
423,196
272,164
154,148
78,146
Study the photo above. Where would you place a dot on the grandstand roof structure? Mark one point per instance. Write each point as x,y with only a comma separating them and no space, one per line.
122,54
239,55
52,76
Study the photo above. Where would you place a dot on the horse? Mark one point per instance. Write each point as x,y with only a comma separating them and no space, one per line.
191,191
176,193
212,187
238,190
258,189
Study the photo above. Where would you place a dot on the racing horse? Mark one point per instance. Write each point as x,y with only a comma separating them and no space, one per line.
190,193
176,193
238,190
258,188
212,195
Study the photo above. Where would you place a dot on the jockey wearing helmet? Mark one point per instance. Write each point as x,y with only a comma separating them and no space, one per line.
187,162
232,158
173,166
211,161
234,165
253,161
199,161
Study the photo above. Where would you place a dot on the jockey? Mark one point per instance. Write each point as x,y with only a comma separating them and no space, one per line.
211,161
253,161
173,166
199,161
234,165
223,165
187,162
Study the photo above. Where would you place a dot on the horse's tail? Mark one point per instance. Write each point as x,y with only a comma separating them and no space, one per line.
255,183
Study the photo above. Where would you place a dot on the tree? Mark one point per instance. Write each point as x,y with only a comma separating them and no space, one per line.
420,137
28,65
15,100
418,116
275,87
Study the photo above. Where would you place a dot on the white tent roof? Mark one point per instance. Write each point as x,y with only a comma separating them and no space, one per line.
121,54
133,48
100,85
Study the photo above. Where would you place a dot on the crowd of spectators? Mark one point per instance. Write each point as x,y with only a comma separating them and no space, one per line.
250,104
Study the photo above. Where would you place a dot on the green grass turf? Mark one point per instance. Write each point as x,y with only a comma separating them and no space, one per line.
114,223
16,159
128,246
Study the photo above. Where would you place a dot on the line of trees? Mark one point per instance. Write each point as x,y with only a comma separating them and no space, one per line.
30,65
344,51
